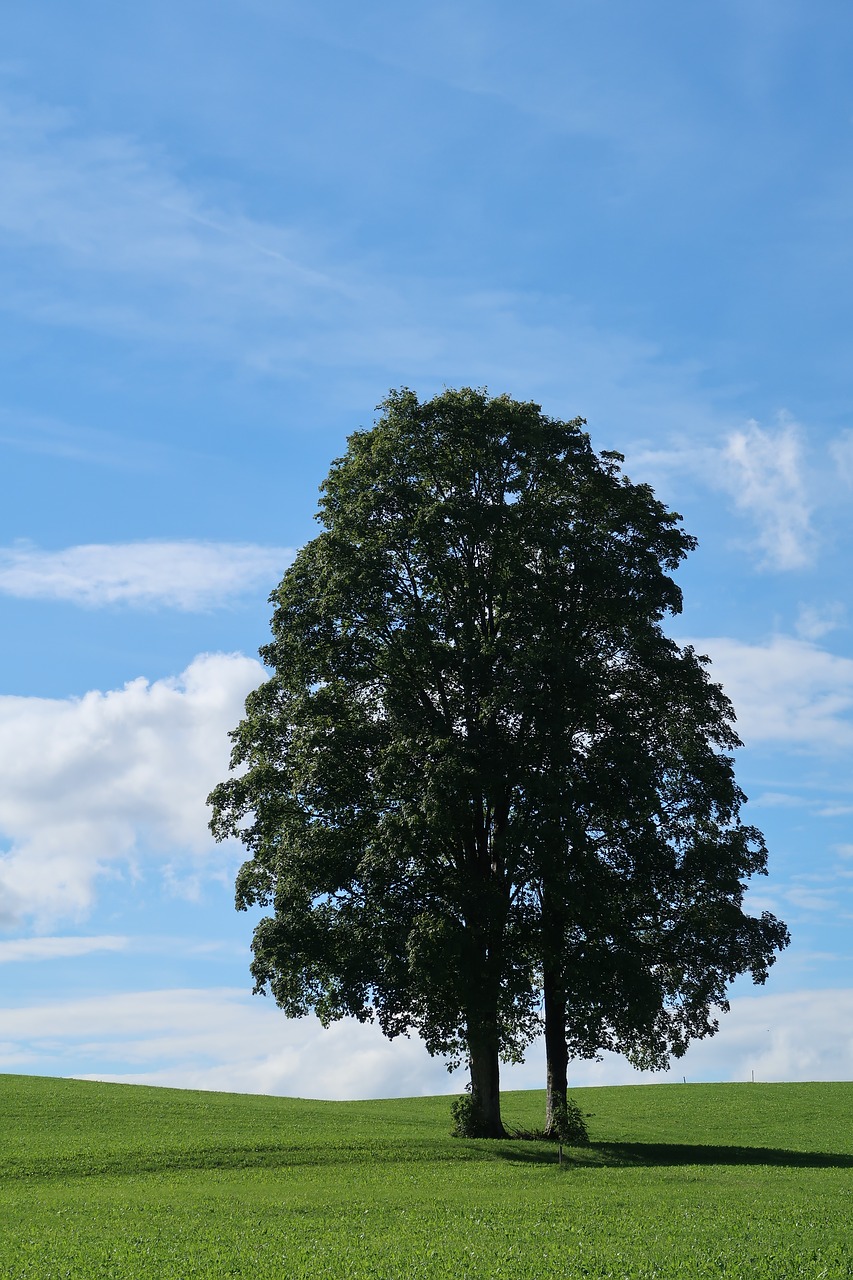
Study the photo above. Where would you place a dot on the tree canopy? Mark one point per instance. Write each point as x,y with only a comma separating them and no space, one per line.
480,775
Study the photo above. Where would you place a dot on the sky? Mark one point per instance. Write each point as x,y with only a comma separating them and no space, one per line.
226,231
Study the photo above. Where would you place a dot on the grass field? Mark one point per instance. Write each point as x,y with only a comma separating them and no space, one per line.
125,1182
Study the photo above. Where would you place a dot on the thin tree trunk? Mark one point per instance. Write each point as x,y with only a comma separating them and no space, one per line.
486,921
556,1052
485,1083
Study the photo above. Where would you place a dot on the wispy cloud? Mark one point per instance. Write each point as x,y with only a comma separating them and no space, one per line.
813,622
139,251
51,948
180,575
841,450
506,60
777,800
94,786
763,471
107,234
814,901
40,434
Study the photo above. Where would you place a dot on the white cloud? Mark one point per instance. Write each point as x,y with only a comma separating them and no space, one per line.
812,900
181,575
225,1039
786,692
777,800
803,1035
763,471
45,948
216,1039
814,623
91,785
841,449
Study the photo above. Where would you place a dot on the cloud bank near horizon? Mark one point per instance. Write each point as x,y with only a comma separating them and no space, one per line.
224,1039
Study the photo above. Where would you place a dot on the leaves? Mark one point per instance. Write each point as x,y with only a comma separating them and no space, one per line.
479,754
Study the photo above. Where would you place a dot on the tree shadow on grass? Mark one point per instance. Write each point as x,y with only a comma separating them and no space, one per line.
660,1154
425,1152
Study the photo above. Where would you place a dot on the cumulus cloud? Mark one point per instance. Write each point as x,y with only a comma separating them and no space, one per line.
225,1039
91,785
786,692
793,1036
182,575
763,470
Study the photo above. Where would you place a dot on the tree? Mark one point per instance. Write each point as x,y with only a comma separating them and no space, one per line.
468,777
642,910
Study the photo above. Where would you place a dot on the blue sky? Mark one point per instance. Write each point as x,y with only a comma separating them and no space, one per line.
225,231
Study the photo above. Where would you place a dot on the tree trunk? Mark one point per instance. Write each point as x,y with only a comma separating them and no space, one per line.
556,1052
485,920
485,1083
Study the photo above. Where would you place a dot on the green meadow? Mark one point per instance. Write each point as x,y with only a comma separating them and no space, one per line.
121,1181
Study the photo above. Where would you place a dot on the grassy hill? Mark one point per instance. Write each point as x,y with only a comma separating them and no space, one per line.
105,1181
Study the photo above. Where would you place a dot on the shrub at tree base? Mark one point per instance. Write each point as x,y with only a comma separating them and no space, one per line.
467,1122
568,1125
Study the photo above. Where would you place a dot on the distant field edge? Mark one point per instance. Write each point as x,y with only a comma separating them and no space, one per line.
506,1094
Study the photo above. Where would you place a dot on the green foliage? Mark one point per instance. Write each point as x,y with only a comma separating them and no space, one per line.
463,1115
480,769
115,1182
568,1124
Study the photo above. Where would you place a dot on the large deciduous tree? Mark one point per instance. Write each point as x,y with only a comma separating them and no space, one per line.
480,775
